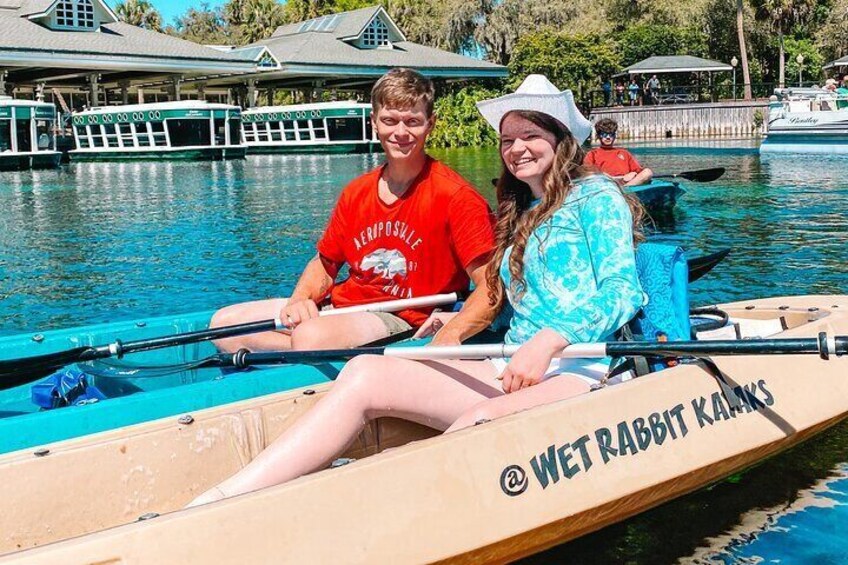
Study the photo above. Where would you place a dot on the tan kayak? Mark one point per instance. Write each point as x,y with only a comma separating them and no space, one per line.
492,493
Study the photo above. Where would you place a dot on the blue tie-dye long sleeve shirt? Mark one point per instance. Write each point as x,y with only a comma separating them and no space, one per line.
579,267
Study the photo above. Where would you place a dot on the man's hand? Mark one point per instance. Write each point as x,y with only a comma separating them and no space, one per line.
434,323
295,312
629,177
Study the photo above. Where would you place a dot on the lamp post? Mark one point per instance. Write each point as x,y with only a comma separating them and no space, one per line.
800,60
733,62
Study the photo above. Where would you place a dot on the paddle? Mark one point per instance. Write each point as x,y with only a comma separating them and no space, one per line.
14,372
701,175
700,266
822,345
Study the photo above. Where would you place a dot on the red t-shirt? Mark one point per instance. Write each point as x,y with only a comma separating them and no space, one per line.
417,246
613,161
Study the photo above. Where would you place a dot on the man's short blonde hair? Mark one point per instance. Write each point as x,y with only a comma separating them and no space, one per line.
402,89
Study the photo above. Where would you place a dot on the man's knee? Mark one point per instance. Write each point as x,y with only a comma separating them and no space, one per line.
312,334
227,316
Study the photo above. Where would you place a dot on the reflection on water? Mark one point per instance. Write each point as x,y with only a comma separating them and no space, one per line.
97,242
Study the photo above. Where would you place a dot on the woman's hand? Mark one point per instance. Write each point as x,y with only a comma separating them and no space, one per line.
296,312
531,361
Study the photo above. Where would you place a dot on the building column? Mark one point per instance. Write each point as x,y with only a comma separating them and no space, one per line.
3,75
201,91
251,93
94,89
317,90
140,95
270,94
176,82
125,91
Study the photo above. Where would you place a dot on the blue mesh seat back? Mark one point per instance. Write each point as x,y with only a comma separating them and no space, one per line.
664,275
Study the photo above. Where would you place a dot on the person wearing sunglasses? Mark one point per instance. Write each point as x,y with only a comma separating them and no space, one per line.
613,161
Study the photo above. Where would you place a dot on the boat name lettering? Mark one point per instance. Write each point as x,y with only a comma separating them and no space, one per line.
810,120
630,437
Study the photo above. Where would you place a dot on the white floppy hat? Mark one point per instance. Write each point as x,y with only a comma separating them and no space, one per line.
537,94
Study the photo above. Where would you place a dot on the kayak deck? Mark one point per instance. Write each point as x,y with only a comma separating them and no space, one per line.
494,492
135,399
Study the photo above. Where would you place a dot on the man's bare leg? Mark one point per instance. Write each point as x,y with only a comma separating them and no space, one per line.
329,332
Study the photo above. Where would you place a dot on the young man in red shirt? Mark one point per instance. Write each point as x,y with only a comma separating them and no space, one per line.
614,161
412,227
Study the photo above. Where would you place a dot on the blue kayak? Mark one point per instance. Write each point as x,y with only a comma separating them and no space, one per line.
658,195
142,395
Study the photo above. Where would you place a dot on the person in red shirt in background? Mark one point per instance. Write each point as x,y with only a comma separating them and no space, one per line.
614,161
412,227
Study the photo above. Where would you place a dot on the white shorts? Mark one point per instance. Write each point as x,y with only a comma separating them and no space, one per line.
590,371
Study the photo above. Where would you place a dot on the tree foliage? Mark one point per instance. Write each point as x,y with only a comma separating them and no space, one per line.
569,61
139,13
458,122
253,20
203,25
641,41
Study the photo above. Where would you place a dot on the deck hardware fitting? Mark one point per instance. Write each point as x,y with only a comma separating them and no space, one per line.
341,462
186,420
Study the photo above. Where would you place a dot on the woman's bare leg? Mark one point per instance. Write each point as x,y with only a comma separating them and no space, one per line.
553,389
433,393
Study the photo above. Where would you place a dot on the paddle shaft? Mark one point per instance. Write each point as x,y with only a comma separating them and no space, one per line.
14,372
701,175
823,346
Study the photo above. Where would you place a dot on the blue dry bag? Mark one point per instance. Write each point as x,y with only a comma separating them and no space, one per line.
67,387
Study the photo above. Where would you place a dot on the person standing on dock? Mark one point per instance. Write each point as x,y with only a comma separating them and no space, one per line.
616,162
410,228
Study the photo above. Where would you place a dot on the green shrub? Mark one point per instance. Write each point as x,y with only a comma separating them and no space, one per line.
458,123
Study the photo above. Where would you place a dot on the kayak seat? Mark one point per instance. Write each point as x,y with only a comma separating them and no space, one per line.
664,275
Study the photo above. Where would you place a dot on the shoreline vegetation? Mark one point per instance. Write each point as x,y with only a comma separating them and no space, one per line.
579,45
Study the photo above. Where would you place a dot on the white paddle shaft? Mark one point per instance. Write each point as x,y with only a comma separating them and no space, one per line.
387,306
493,351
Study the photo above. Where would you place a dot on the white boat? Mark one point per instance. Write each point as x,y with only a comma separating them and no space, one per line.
27,135
807,120
324,127
191,129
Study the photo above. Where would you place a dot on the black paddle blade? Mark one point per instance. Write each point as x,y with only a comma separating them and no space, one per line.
16,372
700,266
704,175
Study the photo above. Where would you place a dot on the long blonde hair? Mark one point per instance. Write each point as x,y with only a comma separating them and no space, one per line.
516,221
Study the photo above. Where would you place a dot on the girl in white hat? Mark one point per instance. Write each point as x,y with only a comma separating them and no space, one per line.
564,260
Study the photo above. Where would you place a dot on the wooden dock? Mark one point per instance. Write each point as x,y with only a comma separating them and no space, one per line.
721,120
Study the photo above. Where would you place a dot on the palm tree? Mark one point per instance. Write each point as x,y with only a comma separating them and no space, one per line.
743,49
782,15
139,13
259,19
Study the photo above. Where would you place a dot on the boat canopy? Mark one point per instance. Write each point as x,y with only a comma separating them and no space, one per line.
843,62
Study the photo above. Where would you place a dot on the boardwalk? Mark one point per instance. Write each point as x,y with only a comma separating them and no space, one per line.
729,120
